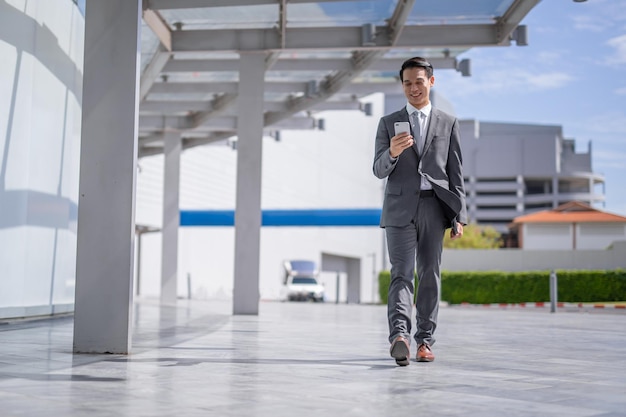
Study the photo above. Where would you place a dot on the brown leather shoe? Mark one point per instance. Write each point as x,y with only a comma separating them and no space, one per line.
424,354
400,351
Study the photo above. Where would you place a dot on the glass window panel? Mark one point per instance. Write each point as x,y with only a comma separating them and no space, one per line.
248,17
340,13
457,11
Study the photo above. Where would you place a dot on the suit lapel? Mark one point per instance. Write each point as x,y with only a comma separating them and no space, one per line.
431,128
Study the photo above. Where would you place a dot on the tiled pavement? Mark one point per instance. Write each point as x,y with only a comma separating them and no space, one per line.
305,359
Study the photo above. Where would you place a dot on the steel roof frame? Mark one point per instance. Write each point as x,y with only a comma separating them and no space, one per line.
202,112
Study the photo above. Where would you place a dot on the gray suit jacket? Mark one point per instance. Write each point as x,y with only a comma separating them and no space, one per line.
441,164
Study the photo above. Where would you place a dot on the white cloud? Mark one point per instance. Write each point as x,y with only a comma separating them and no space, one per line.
550,80
619,43
607,159
600,15
586,22
508,80
608,127
621,91
550,57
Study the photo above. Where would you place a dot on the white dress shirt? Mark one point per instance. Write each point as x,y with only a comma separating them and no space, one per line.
424,118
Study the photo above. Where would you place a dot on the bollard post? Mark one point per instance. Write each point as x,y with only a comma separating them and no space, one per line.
553,291
188,286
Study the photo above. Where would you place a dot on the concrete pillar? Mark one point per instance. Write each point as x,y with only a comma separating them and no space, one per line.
108,162
354,280
171,218
520,206
472,197
248,206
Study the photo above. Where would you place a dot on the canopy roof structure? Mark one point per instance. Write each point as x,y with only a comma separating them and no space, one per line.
319,55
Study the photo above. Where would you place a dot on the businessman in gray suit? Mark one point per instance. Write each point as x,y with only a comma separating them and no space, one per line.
424,195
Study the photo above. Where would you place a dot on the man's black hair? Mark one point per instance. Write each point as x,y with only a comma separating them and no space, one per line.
416,62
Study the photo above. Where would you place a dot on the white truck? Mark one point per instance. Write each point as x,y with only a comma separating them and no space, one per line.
300,282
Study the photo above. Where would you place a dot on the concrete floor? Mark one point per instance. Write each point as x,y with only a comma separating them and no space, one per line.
305,359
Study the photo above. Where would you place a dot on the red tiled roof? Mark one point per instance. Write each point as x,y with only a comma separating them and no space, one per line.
572,212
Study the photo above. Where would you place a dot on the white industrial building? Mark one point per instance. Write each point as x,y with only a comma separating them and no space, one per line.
305,169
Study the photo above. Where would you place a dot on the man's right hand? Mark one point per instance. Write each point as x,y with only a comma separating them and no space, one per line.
399,143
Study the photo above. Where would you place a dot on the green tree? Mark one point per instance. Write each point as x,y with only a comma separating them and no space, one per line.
475,237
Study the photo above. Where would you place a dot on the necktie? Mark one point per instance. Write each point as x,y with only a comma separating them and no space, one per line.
417,130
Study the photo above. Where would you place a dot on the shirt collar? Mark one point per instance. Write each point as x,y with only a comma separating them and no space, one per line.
425,110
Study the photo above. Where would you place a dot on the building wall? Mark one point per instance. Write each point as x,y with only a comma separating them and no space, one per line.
534,260
548,236
599,235
41,44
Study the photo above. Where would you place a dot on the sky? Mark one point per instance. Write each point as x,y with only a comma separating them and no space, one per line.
572,74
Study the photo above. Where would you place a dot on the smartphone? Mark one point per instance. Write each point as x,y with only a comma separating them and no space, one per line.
401,127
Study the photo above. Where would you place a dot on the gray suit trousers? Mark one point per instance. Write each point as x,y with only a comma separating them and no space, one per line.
419,243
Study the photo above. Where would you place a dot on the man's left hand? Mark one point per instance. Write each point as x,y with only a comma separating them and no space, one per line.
459,231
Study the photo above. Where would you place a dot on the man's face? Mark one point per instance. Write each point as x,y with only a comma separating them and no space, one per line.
416,85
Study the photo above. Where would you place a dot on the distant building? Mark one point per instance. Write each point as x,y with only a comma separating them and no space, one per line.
573,225
516,169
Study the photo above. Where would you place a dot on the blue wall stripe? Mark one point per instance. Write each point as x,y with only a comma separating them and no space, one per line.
277,218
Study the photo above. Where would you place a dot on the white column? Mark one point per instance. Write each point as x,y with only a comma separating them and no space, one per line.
108,160
248,206
521,201
171,218
555,192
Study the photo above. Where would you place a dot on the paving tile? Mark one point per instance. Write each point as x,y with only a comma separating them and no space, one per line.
307,359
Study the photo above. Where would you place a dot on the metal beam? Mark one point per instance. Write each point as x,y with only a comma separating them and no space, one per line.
360,88
159,26
447,36
147,140
177,108
219,106
153,70
153,145
295,64
222,87
512,17
223,123
215,137
333,38
162,123
223,103
173,107
360,62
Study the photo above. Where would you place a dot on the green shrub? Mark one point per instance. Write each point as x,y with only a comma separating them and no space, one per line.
384,278
486,287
